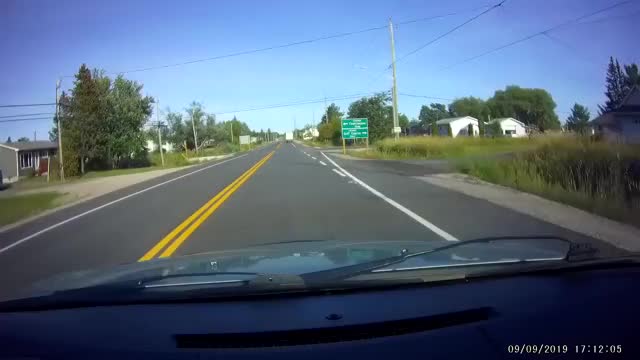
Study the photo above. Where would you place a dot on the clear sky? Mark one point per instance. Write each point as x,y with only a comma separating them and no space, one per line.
43,40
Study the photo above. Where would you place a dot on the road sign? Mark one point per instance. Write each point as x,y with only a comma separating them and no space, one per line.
355,128
397,130
244,139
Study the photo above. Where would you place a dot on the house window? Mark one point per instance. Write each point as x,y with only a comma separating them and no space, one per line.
509,132
27,160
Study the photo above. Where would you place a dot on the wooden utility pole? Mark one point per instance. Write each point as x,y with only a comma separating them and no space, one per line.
394,92
59,134
159,134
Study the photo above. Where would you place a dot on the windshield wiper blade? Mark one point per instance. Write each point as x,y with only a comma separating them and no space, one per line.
354,270
142,282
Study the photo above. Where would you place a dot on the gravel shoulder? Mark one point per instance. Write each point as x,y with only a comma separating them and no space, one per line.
620,235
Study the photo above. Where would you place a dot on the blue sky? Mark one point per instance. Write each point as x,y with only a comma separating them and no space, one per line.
43,40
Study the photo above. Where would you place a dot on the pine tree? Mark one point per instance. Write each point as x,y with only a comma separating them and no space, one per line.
615,87
578,121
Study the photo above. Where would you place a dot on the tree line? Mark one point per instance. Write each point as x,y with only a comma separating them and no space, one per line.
534,107
103,124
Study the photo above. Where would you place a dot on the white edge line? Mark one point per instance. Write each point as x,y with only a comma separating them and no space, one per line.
111,203
323,163
338,172
294,145
314,158
445,235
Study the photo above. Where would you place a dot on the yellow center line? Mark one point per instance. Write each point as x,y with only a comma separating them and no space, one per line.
170,250
160,245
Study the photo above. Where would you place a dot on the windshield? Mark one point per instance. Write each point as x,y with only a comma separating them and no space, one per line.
238,148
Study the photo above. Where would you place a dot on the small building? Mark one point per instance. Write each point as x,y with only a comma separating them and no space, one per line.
510,127
310,133
23,158
623,124
459,126
153,146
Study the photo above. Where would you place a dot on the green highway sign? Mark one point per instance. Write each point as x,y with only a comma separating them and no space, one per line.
355,128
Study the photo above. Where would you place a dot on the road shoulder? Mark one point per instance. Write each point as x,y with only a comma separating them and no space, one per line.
620,235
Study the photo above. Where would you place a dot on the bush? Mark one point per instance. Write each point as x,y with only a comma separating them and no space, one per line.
431,147
171,159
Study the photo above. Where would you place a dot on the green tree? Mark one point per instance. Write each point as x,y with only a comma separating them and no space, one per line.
333,111
615,85
534,107
449,131
23,139
578,121
469,106
127,112
403,121
494,129
376,109
432,113
631,77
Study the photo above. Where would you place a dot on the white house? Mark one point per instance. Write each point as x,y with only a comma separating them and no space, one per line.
459,126
310,134
511,127
623,124
153,146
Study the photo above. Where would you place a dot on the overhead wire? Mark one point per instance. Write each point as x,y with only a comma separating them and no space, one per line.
26,105
27,119
531,36
291,44
22,115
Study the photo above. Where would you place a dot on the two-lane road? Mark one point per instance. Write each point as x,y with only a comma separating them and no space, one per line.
280,192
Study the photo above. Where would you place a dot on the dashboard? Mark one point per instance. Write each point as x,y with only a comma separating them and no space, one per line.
582,314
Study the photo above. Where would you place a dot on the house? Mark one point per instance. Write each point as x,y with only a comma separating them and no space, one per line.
459,126
510,127
623,124
153,146
310,133
23,158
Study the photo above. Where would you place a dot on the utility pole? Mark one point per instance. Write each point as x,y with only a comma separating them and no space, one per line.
326,109
59,134
294,127
195,135
159,134
232,131
394,89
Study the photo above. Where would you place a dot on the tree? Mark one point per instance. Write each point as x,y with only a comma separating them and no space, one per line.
23,139
432,113
578,121
376,109
495,130
534,107
434,129
9,140
469,106
470,130
631,78
403,122
615,85
333,111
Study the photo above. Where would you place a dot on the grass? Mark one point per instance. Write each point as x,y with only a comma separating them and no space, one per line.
597,177
16,208
427,147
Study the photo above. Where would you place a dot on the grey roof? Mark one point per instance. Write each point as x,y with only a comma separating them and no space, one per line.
450,120
31,145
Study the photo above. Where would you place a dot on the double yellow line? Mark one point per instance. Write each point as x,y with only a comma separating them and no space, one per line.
200,215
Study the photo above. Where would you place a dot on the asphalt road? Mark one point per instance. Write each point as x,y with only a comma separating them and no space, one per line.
280,192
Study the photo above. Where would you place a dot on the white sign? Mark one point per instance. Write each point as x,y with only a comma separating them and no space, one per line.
244,139
397,130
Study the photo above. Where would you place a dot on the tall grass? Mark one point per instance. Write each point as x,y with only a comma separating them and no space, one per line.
427,147
598,177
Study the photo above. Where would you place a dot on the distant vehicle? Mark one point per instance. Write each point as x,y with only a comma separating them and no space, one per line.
288,136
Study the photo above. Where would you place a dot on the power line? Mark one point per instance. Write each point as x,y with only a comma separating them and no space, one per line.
291,44
571,48
22,115
449,32
424,97
296,103
26,105
28,119
553,28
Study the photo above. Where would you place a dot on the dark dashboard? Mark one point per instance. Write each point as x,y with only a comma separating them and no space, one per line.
582,314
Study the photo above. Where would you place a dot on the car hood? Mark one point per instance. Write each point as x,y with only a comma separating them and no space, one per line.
286,258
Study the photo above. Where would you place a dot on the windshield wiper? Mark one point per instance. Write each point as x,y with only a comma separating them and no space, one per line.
353,270
145,281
